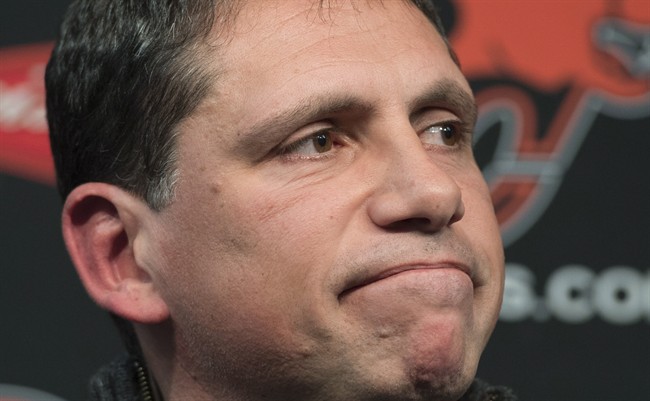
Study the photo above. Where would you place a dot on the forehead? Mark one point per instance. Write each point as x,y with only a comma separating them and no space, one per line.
272,33
280,53
257,22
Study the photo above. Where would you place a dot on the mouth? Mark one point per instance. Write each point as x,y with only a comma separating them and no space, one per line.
364,280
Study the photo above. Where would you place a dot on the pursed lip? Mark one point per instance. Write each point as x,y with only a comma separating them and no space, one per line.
363,280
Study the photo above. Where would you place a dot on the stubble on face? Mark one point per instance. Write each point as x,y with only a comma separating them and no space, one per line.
263,251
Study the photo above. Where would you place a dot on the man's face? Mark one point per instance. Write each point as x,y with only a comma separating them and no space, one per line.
332,236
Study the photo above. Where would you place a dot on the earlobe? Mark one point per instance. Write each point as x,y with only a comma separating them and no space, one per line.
100,223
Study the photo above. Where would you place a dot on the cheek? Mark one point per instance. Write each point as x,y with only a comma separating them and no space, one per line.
299,222
481,228
260,254
479,211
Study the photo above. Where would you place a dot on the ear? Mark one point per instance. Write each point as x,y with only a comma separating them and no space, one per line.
101,224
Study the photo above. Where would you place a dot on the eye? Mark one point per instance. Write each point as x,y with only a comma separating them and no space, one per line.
320,142
447,134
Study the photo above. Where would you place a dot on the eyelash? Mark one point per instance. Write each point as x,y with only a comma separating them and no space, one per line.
463,131
291,148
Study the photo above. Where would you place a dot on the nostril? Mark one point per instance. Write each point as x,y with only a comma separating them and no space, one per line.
455,218
412,224
458,214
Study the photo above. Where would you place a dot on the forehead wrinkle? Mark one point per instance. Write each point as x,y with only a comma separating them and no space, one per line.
317,12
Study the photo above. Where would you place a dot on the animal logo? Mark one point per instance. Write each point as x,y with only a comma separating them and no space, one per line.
588,58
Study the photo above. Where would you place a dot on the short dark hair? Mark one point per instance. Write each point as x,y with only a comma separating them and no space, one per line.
122,76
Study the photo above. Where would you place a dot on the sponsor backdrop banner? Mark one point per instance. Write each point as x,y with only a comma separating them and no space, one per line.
563,140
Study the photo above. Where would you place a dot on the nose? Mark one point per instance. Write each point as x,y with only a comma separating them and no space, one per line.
414,192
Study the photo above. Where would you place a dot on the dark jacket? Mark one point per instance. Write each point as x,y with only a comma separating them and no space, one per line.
124,380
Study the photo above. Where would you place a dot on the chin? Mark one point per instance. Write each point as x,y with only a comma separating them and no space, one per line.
442,386
447,386
442,363
426,375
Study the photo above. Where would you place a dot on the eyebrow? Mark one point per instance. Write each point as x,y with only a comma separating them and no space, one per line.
448,94
264,134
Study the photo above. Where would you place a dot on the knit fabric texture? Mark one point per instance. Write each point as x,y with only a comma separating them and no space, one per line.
117,381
